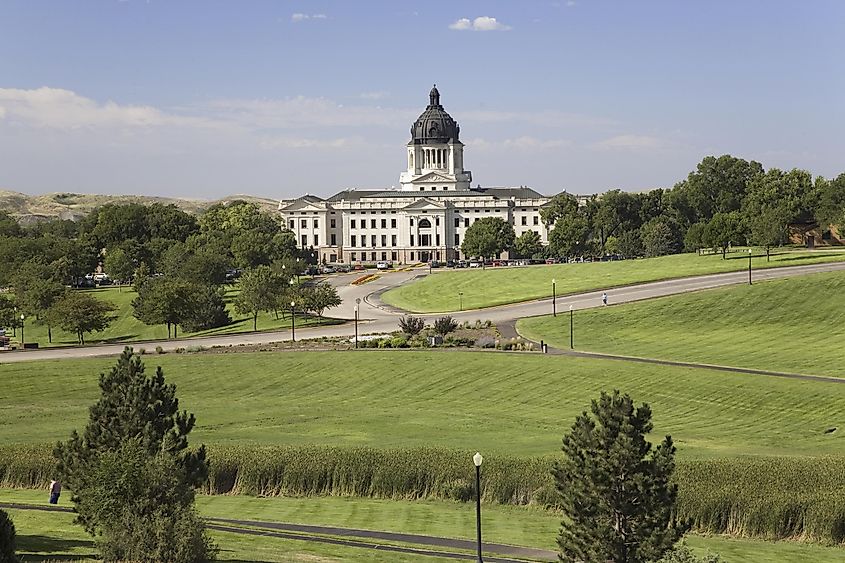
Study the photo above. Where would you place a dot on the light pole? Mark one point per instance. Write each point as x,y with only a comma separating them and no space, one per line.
554,299
293,321
22,340
461,297
356,326
749,266
571,336
477,459
15,324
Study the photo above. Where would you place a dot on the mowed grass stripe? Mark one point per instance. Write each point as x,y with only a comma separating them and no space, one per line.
793,325
499,286
512,403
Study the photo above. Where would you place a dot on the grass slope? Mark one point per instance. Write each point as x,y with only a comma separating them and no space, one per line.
501,524
494,402
126,328
788,325
499,286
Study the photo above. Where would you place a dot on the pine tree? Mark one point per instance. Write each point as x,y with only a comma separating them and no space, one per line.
135,406
614,488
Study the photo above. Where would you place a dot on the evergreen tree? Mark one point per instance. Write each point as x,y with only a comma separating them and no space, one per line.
614,489
7,538
132,406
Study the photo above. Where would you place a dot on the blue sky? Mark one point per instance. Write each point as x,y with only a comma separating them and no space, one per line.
278,98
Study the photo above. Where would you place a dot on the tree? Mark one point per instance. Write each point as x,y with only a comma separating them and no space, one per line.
723,230
119,265
206,309
131,471
79,312
488,237
8,543
36,291
614,489
8,313
528,244
569,236
321,297
259,291
561,205
695,237
163,301
445,325
630,244
770,228
718,185
657,238
616,211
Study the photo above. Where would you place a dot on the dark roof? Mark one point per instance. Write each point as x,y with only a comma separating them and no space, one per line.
434,125
352,195
507,193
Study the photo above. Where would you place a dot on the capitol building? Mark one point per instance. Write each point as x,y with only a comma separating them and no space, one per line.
426,218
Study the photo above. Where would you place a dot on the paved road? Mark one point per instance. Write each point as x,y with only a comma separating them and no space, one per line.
377,317
352,537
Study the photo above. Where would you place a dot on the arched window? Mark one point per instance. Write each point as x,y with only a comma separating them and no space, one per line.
425,224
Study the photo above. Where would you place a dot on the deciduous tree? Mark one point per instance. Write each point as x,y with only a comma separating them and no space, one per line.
488,237
528,244
79,312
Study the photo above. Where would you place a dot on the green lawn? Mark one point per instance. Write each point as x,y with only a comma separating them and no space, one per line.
498,286
126,328
791,325
514,403
43,532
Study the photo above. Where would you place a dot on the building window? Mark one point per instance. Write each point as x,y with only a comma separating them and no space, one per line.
372,255
524,220
334,239
334,224
412,240
303,240
425,224
316,240
352,224
437,221
466,222
392,240
372,223
393,255
393,223
457,239
486,211
316,223
437,239
457,221
433,188
373,241
536,220
384,223
353,256
445,188
425,240
412,221
412,256
292,223
422,189
303,223
384,240
353,241
384,255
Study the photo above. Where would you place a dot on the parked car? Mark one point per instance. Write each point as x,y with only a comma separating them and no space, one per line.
475,264
382,265
327,270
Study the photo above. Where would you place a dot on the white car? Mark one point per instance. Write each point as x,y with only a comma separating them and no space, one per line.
382,266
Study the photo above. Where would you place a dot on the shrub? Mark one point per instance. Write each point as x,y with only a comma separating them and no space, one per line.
7,539
485,342
445,325
159,350
683,554
399,342
411,325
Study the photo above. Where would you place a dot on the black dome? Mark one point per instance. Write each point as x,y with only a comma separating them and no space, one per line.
434,125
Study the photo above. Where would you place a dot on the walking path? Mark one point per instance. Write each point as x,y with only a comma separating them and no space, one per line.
351,537
377,317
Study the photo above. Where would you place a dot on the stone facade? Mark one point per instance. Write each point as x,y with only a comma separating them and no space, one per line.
425,219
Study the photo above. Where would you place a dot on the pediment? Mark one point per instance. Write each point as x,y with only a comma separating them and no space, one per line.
303,205
434,177
424,203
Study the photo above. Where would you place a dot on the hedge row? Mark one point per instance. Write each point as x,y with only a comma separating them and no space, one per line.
771,498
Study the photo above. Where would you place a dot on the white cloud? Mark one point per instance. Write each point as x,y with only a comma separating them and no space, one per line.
571,3
629,142
481,23
274,143
523,143
379,95
299,17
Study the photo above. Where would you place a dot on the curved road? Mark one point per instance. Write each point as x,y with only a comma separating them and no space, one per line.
376,317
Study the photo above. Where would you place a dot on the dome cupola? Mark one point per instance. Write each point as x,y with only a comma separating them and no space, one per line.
434,125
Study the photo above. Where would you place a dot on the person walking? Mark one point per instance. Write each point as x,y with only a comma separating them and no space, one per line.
604,299
55,491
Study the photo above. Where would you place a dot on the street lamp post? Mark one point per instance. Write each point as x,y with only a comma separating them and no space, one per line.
477,459
293,321
554,299
15,324
571,336
357,305
749,266
23,345
461,298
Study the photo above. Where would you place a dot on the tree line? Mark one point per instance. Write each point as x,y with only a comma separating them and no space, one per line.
177,263
725,201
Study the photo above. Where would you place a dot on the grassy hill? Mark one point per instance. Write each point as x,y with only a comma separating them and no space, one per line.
500,286
63,205
791,325
518,404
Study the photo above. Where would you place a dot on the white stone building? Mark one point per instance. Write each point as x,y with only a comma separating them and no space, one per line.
425,219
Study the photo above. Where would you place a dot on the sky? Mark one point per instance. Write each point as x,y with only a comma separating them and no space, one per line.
206,99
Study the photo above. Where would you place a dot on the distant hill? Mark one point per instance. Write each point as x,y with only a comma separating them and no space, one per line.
28,209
